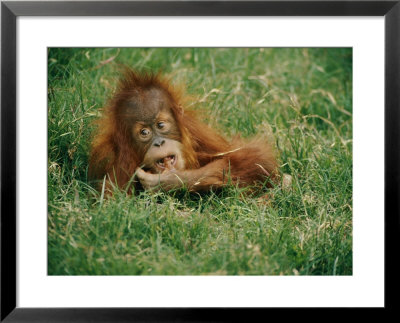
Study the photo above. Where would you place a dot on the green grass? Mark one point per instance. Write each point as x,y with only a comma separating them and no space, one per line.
302,96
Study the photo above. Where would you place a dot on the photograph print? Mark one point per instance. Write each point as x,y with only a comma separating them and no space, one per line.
200,161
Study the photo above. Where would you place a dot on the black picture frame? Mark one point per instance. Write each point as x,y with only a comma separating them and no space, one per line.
10,10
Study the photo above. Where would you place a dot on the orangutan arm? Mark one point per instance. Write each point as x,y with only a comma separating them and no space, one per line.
212,175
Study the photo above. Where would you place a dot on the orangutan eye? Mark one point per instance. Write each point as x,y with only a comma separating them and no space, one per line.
160,125
144,132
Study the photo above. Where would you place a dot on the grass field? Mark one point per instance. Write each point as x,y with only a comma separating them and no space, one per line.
302,96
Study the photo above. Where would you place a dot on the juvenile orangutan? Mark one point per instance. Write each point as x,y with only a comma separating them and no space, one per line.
147,139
